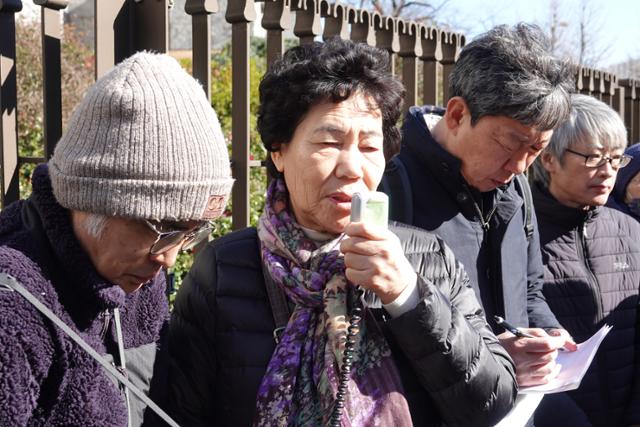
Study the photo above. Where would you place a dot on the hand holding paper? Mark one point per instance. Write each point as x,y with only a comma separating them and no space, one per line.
573,366
534,356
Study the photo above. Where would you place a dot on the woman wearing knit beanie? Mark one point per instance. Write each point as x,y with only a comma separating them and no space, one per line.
138,175
626,193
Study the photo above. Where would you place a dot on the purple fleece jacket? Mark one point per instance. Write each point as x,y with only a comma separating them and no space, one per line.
45,378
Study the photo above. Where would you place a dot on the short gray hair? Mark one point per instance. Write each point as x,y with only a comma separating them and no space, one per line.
509,71
94,224
591,121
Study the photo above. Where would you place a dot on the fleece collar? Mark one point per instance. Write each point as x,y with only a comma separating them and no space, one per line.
71,259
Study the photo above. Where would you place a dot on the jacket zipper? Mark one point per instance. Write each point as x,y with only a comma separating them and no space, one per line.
105,327
583,253
498,298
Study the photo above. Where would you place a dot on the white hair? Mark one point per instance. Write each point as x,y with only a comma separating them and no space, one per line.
94,224
591,121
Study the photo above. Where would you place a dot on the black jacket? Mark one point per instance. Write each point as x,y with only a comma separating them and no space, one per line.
504,267
592,277
452,368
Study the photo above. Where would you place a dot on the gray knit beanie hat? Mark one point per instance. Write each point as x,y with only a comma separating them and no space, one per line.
143,143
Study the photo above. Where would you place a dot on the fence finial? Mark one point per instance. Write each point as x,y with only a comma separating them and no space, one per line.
52,4
241,11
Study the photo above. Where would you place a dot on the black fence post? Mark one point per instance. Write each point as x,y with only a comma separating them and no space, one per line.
51,70
9,188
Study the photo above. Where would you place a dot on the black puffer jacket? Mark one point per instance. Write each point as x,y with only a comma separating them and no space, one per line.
452,368
592,277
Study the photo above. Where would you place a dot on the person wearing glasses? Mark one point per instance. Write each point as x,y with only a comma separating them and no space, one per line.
464,181
591,256
138,175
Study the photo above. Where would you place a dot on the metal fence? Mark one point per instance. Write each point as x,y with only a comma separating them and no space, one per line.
122,27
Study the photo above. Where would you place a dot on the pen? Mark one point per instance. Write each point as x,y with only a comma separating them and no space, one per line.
509,327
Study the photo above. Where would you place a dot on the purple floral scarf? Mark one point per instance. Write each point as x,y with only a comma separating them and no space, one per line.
299,386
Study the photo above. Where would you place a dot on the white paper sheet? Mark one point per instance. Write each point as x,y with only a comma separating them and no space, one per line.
523,409
573,365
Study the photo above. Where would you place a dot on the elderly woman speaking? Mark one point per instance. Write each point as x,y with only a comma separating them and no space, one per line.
422,353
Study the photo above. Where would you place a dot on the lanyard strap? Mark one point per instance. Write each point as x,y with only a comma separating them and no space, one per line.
13,285
122,361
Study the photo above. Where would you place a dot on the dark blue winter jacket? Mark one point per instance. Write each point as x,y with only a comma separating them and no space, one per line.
504,267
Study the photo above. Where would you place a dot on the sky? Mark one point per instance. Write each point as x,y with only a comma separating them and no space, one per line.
619,20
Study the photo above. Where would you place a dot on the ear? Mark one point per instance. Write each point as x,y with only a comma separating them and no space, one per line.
457,113
278,160
549,162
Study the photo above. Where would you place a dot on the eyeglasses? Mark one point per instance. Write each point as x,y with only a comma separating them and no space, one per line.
597,160
188,239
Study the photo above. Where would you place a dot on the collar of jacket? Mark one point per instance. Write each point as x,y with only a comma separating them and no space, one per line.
73,265
551,210
418,140
612,202
415,131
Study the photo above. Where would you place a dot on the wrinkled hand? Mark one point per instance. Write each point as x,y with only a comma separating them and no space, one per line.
535,358
374,259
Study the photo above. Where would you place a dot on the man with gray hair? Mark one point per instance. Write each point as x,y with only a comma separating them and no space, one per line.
455,176
591,257
139,174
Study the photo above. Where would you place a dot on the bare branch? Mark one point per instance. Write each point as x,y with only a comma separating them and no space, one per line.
418,10
581,39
